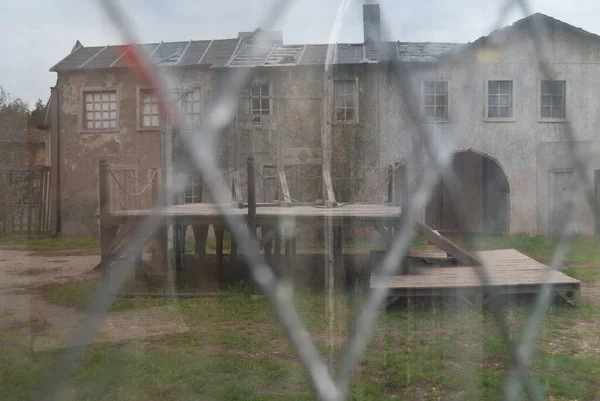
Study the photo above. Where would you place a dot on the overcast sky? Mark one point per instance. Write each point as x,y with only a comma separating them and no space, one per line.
39,33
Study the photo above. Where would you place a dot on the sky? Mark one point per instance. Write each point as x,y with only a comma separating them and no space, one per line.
39,33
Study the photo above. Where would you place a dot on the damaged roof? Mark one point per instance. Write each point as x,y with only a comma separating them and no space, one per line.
221,53
245,52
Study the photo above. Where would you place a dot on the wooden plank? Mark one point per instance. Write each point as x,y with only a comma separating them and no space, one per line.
236,190
445,245
285,189
330,201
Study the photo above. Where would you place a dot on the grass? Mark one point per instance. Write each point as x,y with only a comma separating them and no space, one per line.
52,243
235,349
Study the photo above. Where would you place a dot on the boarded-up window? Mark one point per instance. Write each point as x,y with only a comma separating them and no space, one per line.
100,110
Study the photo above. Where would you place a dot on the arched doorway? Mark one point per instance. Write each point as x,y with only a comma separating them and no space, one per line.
483,203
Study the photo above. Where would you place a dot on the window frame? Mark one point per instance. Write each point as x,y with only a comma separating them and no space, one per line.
424,116
513,96
138,118
188,90
541,119
259,117
82,120
193,185
355,83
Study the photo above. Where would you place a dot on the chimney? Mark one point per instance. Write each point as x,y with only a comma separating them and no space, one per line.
371,23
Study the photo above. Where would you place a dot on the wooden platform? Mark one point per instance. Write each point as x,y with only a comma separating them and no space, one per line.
509,272
207,213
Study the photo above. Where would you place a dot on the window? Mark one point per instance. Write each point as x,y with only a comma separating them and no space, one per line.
193,106
436,100
149,111
193,191
500,99
345,101
260,101
100,110
553,99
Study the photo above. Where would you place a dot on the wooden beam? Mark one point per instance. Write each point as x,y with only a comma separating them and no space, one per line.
267,238
330,201
445,245
251,196
285,189
236,190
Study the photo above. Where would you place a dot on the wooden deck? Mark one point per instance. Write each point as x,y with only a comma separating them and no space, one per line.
509,272
208,213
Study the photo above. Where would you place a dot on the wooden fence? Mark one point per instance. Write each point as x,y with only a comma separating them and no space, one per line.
25,201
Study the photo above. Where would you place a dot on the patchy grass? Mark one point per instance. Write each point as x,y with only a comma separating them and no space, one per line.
52,243
235,349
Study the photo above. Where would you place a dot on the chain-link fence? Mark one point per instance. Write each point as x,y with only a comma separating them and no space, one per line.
347,344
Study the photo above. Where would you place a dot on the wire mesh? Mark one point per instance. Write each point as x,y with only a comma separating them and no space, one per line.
330,378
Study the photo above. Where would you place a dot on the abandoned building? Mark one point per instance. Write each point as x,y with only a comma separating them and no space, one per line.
485,101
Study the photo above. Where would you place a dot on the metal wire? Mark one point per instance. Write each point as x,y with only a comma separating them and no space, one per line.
520,351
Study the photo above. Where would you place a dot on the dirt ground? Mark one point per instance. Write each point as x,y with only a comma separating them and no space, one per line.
22,276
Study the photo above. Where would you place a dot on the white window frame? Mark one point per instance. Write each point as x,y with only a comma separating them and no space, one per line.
138,118
258,117
566,98
512,101
82,120
355,120
423,103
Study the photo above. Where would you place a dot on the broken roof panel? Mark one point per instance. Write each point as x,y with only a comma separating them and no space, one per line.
168,53
347,53
194,52
314,54
285,55
250,56
426,52
104,58
145,50
233,53
77,58
220,52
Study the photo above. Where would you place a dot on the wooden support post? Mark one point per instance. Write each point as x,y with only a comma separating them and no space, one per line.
330,201
288,252
234,247
219,231
391,184
236,193
200,236
338,261
285,189
251,197
159,245
103,205
277,251
269,245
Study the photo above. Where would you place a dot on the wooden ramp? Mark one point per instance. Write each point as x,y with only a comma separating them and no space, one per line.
508,270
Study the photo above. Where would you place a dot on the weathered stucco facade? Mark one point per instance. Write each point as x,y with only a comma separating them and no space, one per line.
513,179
